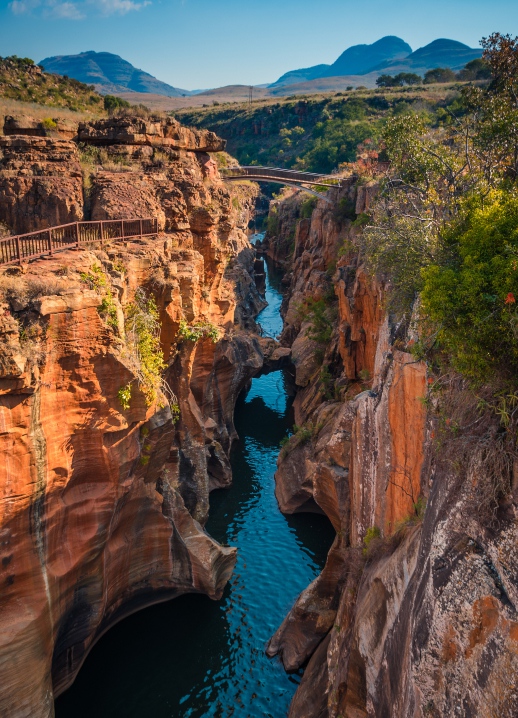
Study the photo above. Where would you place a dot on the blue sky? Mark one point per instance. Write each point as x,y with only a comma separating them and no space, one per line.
208,43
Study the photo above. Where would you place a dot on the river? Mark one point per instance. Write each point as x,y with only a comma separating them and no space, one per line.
196,658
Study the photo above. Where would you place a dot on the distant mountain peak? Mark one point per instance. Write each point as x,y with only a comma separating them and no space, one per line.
356,60
109,73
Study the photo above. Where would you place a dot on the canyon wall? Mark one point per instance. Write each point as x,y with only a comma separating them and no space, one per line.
105,477
414,614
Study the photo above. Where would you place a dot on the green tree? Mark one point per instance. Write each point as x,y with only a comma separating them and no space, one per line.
113,103
472,297
478,69
439,74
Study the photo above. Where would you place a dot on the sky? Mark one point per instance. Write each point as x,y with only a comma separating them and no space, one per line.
195,44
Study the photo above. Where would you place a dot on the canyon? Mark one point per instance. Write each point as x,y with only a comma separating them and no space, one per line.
106,476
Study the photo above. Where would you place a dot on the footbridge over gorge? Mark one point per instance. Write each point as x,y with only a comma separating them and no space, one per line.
306,181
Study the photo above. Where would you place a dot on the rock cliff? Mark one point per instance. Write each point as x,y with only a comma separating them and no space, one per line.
119,370
414,613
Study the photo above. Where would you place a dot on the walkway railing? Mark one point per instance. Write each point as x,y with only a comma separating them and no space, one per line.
22,247
277,173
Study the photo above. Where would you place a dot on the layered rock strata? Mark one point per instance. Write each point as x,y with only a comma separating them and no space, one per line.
414,613
41,183
104,495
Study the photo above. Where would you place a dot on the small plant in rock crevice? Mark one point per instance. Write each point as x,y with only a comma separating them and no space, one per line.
96,279
198,330
144,354
301,435
124,395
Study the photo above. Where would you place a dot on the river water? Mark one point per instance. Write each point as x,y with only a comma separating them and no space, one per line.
196,658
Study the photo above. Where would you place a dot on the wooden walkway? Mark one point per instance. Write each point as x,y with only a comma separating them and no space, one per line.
23,247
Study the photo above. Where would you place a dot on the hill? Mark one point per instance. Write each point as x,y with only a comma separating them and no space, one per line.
22,80
362,64
109,74
439,53
356,60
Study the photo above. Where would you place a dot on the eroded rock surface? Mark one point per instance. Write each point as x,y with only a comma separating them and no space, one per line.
41,183
103,500
414,614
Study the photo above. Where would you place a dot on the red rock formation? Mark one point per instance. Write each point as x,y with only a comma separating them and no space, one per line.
102,506
31,127
166,132
41,183
423,622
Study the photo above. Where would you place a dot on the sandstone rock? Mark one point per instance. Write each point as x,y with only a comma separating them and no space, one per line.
102,506
426,619
40,183
135,131
31,127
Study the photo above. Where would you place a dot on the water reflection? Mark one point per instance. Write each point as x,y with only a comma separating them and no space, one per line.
194,658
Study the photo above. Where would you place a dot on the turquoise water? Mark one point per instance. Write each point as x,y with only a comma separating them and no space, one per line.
193,657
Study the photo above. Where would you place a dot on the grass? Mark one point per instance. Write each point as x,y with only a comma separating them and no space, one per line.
9,106
21,79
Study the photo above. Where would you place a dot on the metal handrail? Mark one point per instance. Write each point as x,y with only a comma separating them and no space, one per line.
254,171
22,247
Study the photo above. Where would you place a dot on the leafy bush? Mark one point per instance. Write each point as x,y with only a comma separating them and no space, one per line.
113,103
124,395
272,223
345,209
321,316
307,206
403,78
198,330
472,296
439,74
48,123
143,346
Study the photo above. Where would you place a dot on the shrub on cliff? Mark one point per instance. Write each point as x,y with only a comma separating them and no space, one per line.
144,354
437,173
472,296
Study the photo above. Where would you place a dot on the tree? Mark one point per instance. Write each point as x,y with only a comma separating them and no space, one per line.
477,69
385,81
409,78
113,103
403,78
439,74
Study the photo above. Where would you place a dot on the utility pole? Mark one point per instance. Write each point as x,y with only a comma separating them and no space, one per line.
250,94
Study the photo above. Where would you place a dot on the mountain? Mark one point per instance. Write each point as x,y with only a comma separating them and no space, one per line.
439,53
389,55
356,60
302,75
361,59
109,73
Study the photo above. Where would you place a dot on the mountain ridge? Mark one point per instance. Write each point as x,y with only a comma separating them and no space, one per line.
108,73
442,52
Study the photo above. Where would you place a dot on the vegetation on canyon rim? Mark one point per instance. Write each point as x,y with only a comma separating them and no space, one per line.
142,348
444,231
442,236
445,225
318,133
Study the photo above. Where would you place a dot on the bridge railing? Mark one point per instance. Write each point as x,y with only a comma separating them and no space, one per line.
23,247
280,173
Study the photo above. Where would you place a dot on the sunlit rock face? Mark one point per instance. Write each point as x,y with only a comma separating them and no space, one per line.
41,183
422,623
103,501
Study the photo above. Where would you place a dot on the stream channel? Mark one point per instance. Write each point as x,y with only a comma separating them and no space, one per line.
196,658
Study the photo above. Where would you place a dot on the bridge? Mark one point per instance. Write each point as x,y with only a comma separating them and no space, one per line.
22,247
292,178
